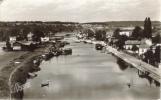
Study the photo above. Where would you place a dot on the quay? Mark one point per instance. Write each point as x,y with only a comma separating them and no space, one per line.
152,71
140,65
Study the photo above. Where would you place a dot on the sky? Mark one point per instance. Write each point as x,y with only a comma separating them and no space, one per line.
79,10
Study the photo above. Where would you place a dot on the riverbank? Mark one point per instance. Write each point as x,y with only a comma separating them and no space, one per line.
7,66
140,65
16,73
134,61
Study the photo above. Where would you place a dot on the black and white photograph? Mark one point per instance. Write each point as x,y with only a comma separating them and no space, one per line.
80,49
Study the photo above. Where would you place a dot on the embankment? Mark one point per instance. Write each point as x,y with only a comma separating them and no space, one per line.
14,75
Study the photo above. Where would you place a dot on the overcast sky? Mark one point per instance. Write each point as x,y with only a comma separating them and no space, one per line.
79,10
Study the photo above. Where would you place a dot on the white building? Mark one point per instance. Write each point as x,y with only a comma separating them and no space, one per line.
16,46
143,48
125,32
30,36
130,43
146,41
45,39
12,39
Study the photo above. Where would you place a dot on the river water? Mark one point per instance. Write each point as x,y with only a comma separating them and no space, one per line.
88,74
2,44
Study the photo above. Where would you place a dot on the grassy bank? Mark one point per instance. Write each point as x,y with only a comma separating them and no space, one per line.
15,73
5,74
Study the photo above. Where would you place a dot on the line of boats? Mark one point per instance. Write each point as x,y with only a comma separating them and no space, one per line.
49,55
56,50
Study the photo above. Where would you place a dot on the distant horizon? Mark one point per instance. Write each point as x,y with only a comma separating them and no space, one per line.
82,11
82,22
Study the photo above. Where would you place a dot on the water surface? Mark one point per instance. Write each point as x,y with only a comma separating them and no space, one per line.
88,74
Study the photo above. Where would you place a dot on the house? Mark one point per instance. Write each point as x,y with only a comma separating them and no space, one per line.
12,39
146,41
27,45
30,36
16,46
45,39
153,48
130,43
143,48
112,39
126,32
146,44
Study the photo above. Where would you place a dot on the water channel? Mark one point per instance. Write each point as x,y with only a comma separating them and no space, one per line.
88,74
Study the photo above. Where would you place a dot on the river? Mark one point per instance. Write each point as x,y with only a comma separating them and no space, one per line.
2,44
88,74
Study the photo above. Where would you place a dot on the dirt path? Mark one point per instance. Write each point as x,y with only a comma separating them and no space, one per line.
8,68
7,57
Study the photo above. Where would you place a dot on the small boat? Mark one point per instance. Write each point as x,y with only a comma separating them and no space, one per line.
57,53
67,34
77,41
98,47
67,51
44,84
32,75
85,42
89,41
47,56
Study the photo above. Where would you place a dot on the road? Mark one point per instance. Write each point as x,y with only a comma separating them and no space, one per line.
154,72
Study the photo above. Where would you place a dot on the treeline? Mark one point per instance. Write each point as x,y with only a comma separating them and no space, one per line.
34,22
124,23
36,28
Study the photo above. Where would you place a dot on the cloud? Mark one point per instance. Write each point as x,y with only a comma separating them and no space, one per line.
79,10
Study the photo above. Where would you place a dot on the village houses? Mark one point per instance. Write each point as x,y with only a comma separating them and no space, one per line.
130,43
30,36
125,32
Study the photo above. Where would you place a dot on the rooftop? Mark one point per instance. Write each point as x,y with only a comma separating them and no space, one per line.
144,46
132,42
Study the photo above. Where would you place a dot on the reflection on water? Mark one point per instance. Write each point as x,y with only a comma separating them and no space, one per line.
122,65
2,44
88,74
151,81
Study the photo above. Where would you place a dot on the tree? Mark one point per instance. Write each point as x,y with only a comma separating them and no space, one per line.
89,33
116,33
121,41
157,54
100,35
14,31
8,45
38,33
134,48
137,33
156,39
147,28
149,57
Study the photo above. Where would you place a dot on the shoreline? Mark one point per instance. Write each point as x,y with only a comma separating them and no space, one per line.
148,68
14,73
5,74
